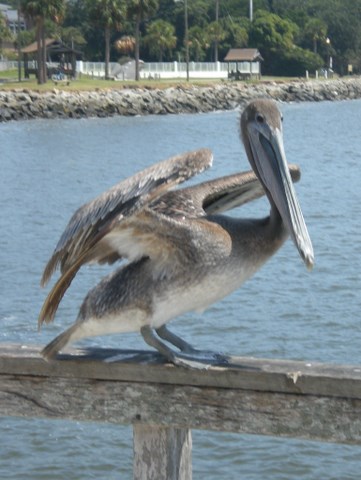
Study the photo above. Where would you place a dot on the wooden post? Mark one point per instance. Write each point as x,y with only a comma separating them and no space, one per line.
162,453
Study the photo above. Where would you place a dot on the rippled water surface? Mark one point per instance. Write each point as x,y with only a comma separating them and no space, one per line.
49,168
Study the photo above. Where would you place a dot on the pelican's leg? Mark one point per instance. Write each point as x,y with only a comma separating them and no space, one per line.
178,342
180,359
186,348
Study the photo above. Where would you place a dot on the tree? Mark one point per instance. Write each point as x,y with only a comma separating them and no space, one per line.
5,33
236,30
160,38
343,20
216,34
25,37
198,43
270,33
240,36
295,62
125,44
138,10
316,30
109,15
73,37
275,38
40,11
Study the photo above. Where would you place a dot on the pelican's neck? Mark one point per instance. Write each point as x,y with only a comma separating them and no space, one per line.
275,216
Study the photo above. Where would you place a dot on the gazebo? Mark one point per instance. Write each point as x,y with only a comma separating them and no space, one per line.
243,63
59,58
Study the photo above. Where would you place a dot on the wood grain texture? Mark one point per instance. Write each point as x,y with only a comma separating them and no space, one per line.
268,397
162,453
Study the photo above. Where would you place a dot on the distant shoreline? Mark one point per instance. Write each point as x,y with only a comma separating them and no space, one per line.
27,104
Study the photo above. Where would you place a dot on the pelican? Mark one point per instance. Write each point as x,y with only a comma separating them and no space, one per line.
181,252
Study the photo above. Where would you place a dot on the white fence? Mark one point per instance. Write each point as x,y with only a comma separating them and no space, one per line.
156,70
179,70
8,65
197,69
169,70
94,69
166,70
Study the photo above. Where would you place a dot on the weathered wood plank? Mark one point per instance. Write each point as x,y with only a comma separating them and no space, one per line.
162,453
287,399
286,415
146,366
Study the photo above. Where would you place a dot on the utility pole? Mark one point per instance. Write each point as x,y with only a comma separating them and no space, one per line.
216,40
18,43
186,36
250,10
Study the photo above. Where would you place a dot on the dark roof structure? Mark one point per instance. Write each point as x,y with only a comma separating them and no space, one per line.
52,46
243,55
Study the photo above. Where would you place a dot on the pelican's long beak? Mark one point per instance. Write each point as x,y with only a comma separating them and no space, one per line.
268,153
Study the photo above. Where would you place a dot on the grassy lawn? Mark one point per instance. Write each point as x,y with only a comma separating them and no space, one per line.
9,81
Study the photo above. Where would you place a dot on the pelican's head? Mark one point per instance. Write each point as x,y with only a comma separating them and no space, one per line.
261,128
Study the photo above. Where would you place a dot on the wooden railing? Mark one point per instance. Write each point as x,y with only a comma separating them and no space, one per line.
163,402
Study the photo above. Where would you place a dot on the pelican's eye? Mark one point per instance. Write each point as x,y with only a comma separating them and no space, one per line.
259,118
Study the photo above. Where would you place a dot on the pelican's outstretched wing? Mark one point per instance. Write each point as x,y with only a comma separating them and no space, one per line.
88,224
215,196
83,239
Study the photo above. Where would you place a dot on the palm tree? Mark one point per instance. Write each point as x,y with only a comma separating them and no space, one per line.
125,44
138,10
39,11
160,38
108,14
72,36
198,42
315,29
216,34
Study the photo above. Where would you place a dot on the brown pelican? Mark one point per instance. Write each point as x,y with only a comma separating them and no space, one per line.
183,254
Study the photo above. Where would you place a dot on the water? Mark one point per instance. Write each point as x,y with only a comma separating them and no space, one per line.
48,168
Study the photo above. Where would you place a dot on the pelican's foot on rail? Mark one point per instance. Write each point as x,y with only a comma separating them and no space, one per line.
189,357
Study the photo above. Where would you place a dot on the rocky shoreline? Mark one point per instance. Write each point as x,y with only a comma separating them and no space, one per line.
27,104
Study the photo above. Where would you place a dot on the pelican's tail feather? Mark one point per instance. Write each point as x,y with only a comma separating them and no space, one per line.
53,348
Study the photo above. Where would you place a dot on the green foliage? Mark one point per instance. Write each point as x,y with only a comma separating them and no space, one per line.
73,36
107,13
295,62
25,37
270,33
315,31
142,8
46,9
238,36
160,38
5,33
199,43
275,37
286,32
216,32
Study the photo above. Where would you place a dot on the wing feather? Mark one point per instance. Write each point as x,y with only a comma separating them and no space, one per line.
124,199
215,196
